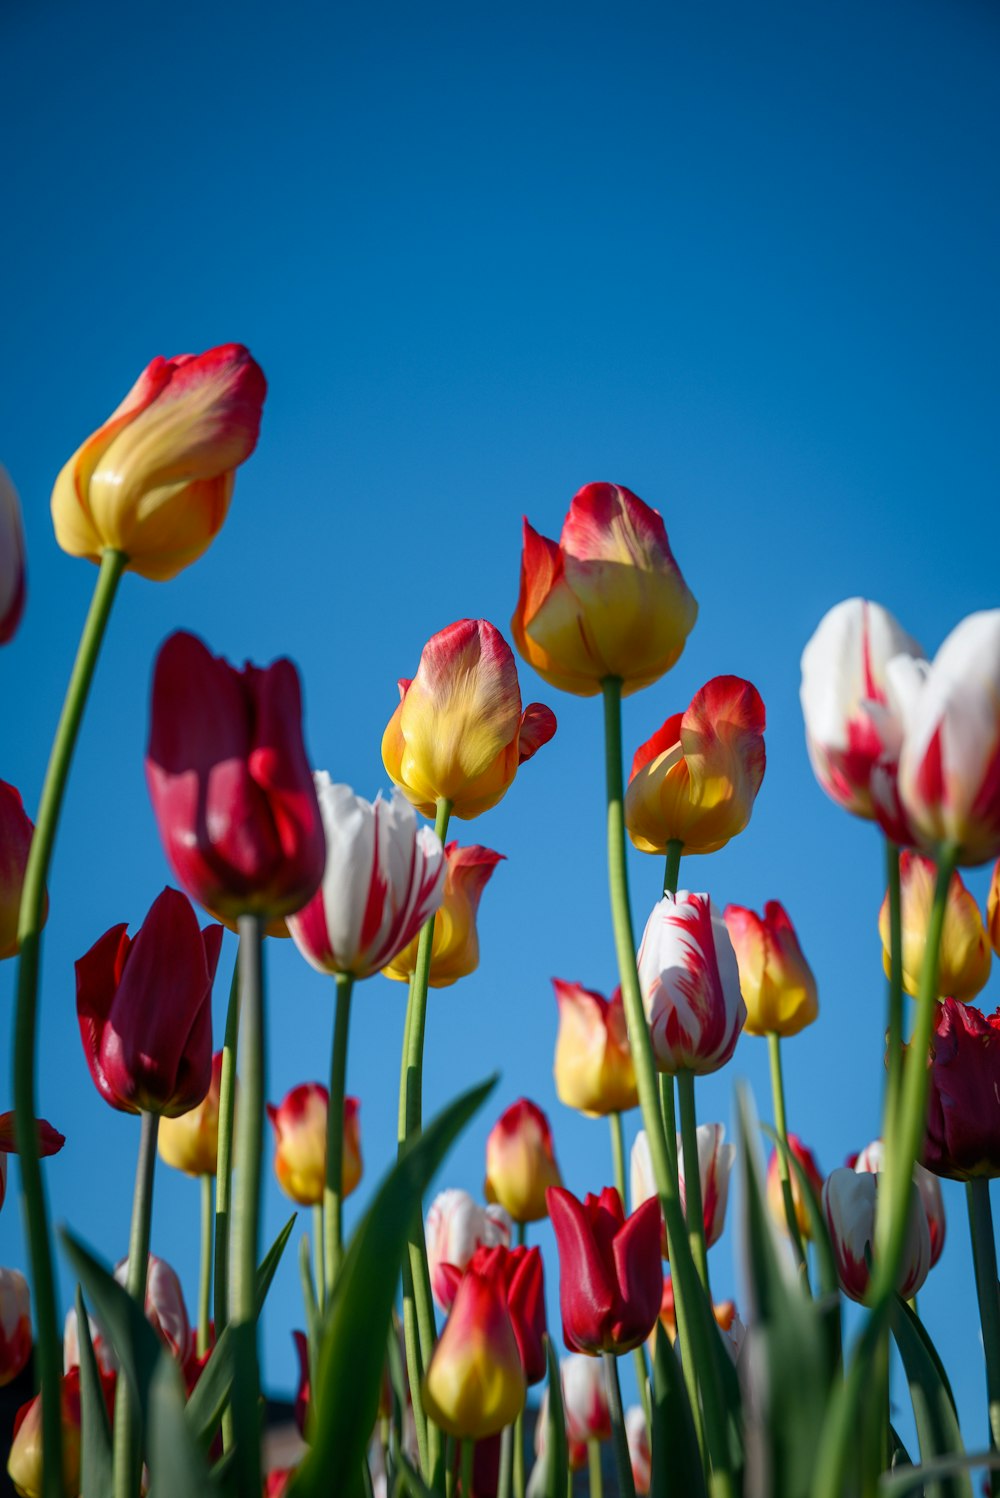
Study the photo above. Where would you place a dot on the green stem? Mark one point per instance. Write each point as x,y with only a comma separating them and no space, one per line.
519,1484
894,1029
693,1328
333,1194
224,1173
594,1469
623,1462
618,1157
692,1176
127,1426
984,1254
246,1209
48,1348
468,1458
506,1472
778,1097
205,1279
319,1240
520,1234
674,850
668,1110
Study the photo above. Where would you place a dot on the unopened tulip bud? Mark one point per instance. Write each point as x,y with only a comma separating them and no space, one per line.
610,1277
24,1463
964,958
455,952
850,1204
474,1384
300,1125
715,1163
870,1161
190,1142
695,781
16,830
775,1190
11,559
690,985
593,1069
456,1227
15,1324
776,981
524,1284
520,1162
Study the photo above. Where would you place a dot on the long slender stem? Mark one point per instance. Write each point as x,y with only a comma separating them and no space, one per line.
894,1028
506,1473
333,1194
594,1469
672,868
246,1208
127,1433
693,1328
692,1176
468,1458
519,1484
778,1098
319,1242
205,1278
668,1110
48,1350
623,1462
621,1181
224,1172
984,1254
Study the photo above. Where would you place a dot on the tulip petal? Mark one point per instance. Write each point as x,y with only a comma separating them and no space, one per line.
587,1290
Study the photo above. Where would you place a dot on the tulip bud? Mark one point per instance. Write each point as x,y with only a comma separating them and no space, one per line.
520,1162
524,1285
165,1309
16,830
384,878
870,1161
474,1384
850,1204
156,479
639,1450
300,1125
24,1463
593,1068
458,733
962,1139
776,981
455,951
727,1319
15,1324
610,1278
695,781
964,957
690,985
607,601
11,559
456,1227
144,1005
190,1142
715,1163
775,1190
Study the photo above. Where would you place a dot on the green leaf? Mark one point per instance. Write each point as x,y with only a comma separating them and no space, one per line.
95,1457
933,1406
130,1334
556,1447
268,1265
357,1321
411,1482
913,1479
175,1463
818,1230
677,1468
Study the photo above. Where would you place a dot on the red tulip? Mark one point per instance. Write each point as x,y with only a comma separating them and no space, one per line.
24,1464
50,1142
11,559
16,829
145,1010
230,782
963,1110
610,1276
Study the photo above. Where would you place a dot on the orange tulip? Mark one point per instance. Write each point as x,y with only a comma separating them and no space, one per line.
455,953
521,1162
593,1067
964,960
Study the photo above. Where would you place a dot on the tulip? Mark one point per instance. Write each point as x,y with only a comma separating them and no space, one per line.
300,1143
230,782
775,1191
715,1163
963,1111
520,1162
456,1227
851,713
11,559
993,909
191,1141
165,1309
610,1279
474,1384
776,981
49,1142
144,1005
455,952
156,479
524,1283
949,763
278,1481
607,601
303,1394
15,1324
593,1067
727,1319
964,958
458,734
639,1450
850,1204
695,781
870,1161
690,985
384,878
24,1462
16,830
586,1406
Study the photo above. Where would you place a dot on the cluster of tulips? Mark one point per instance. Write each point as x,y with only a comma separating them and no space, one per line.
393,1399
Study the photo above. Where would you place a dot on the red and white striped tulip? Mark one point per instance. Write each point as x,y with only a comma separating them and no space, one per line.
12,570
455,1227
640,1452
850,1205
690,985
715,1164
870,1162
455,952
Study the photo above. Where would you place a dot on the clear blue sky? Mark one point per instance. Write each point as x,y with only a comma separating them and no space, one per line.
739,258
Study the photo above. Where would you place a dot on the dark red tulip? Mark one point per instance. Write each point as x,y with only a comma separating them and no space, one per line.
16,830
963,1110
230,782
145,1010
610,1275
524,1282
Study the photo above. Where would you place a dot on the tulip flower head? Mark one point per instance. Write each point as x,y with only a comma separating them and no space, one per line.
156,479
775,1193
852,714
11,559
963,1110
474,1384
459,734
190,1142
144,1004
16,829
870,1161
850,1205
24,1462
639,1449
230,782
695,781
456,1227
610,1278
300,1125
690,985
593,1069
607,601
524,1284
384,878
15,1324
520,1162
964,958
776,981
715,1164
455,951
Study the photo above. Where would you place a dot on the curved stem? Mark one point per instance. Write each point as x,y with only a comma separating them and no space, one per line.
48,1349
778,1096
692,1176
205,1278
127,1434
224,1172
246,1209
333,1194
623,1462
672,868
894,1028
984,1254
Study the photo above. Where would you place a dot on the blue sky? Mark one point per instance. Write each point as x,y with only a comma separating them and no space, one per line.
741,259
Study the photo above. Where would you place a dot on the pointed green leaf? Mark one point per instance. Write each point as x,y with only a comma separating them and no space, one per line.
556,1448
95,1427
677,1469
914,1479
175,1464
933,1407
268,1265
136,1345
